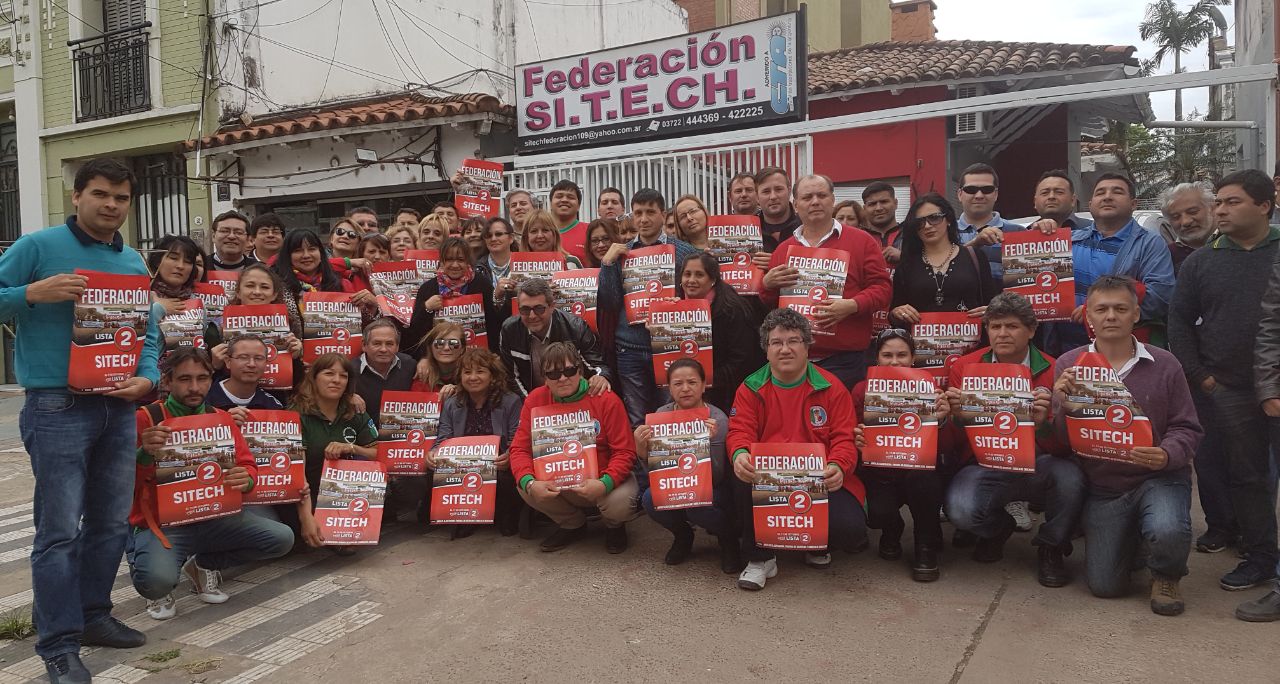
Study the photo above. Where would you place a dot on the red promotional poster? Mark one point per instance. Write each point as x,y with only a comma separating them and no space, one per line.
408,431
564,444
349,507
224,279
480,189
275,438
789,497
995,411
648,275
899,423
733,240
576,293
396,284
185,328
468,312
190,468
942,338
428,261
271,323
214,299
108,330
680,459
1039,267
526,265
330,325
822,276
677,330
1103,420
465,481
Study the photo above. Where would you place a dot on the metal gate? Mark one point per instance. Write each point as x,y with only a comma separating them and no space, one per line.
703,172
161,205
10,216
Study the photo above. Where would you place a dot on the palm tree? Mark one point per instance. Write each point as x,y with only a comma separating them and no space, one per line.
1175,32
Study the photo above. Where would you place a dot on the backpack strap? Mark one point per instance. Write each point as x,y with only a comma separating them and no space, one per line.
155,412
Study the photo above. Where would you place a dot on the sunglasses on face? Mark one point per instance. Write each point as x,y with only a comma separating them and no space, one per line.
344,232
495,236
535,310
557,374
933,219
447,344
975,189
890,333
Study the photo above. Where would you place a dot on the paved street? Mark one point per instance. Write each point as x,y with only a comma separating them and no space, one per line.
486,608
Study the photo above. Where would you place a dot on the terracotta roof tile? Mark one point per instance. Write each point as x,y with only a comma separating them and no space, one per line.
901,63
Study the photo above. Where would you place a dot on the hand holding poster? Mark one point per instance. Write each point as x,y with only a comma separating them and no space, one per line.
677,330
271,323
214,299
733,240
185,328
427,260
1103,420
410,421
899,424
822,276
330,325
465,481
275,439
1039,267
109,329
564,444
789,497
479,188
648,275
190,469
468,312
396,284
941,338
680,459
575,293
995,411
349,507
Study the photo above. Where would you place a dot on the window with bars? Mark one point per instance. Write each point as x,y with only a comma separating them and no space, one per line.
160,207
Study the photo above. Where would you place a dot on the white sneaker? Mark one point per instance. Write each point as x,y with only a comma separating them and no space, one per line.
1021,516
756,573
163,609
821,561
207,584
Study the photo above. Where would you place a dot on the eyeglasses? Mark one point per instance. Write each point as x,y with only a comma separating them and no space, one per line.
535,310
934,219
789,342
601,240
366,224
447,344
270,231
495,236
975,189
345,232
238,232
557,374
688,212
246,358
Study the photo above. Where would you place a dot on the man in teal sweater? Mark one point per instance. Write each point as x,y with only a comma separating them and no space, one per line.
81,445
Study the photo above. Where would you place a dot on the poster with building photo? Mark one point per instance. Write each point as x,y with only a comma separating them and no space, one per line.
575,293
331,324
564,444
822,274
184,329
349,506
275,440
465,481
427,260
396,285
789,497
648,275
677,330
995,412
480,188
679,461
468,312
214,299
1040,268
226,280
109,327
190,469
733,240
899,424
271,323
409,422
1103,420
942,338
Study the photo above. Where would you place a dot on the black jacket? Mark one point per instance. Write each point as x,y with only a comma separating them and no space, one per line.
514,348
735,346
424,320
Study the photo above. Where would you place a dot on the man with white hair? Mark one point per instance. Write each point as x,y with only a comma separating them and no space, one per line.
1188,207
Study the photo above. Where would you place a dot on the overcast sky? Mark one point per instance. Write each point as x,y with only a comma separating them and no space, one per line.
1097,22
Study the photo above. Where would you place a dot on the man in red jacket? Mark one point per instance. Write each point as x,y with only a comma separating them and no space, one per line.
158,559
614,492
867,288
792,400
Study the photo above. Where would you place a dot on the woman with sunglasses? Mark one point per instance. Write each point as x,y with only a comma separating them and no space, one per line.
344,239
733,322
456,277
889,489
438,367
936,272
691,218
542,235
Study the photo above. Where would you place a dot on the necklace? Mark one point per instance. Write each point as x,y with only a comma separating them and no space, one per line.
940,273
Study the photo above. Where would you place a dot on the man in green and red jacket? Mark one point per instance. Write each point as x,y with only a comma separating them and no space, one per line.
792,400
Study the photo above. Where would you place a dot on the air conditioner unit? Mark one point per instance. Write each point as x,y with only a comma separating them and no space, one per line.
970,123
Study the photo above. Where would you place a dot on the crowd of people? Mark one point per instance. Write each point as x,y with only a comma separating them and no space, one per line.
1190,324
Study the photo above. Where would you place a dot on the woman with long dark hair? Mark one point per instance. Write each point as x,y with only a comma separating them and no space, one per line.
174,272
456,277
936,272
302,267
734,323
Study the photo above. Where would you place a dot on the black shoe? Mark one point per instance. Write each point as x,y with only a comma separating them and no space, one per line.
1246,576
615,539
461,532
680,547
562,537
924,567
1214,541
890,547
525,524
963,539
424,510
67,669
992,550
730,556
1053,570
112,633
508,523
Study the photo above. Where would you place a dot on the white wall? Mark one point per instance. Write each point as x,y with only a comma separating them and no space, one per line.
1254,44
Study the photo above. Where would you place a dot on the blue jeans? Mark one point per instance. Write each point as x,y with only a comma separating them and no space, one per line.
850,367
217,544
640,393
1211,471
1157,512
1236,412
82,450
715,519
976,499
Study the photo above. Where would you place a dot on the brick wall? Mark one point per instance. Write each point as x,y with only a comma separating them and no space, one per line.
913,20
702,13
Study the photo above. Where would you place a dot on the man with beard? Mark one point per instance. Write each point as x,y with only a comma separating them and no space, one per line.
1188,207
778,219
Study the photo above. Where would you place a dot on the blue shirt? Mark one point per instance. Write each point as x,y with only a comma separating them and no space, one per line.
609,294
969,231
1095,255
